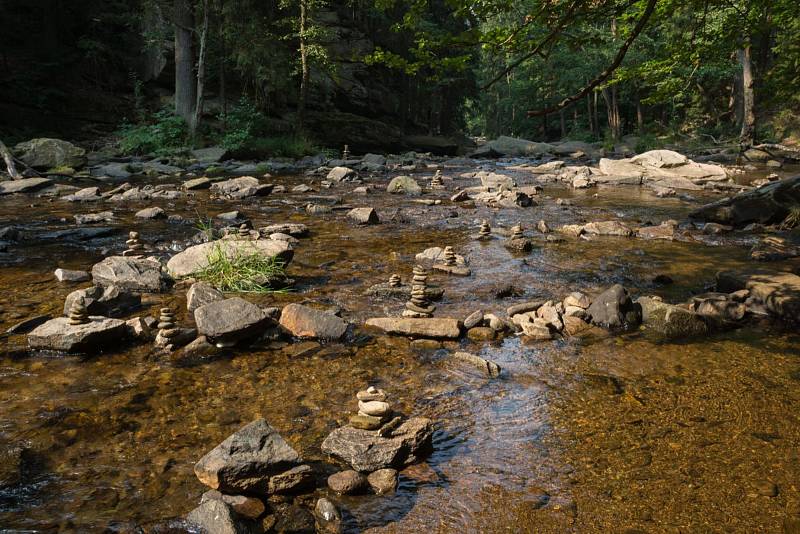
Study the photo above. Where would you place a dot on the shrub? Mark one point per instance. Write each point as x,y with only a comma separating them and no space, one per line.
165,133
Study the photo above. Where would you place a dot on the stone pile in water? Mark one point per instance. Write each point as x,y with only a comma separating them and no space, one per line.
373,410
419,305
135,246
517,240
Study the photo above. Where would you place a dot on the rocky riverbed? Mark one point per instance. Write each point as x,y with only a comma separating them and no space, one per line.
606,357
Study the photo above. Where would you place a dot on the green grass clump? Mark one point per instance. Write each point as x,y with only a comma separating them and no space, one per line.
792,220
243,273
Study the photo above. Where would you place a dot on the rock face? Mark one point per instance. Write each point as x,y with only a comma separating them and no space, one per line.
59,335
671,321
198,257
246,460
306,322
404,184
422,327
367,451
230,320
778,292
614,309
662,167
131,274
44,153
768,204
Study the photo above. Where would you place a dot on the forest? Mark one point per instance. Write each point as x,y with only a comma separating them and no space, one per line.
262,74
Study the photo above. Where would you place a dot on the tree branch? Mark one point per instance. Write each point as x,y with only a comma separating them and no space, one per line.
603,76
9,159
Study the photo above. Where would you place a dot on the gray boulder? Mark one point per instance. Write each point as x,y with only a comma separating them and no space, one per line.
26,185
58,335
45,153
216,517
671,321
198,257
339,174
108,301
363,216
367,450
246,460
405,185
230,320
131,274
614,308
201,294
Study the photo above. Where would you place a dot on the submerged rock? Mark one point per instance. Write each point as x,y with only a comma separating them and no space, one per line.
245,506
418,327
306,322
614,309
669,320
230,320
367,451
327,517
59,335
214,516
487,366
778,292
246,460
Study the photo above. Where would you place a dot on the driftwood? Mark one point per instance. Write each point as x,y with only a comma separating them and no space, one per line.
779,151
9,159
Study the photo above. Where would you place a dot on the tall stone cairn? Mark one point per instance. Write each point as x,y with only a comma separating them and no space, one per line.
78,314
346,153
135,246
419,305
449,257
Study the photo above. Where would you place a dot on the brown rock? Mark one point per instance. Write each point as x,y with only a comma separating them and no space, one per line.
347,482
383,481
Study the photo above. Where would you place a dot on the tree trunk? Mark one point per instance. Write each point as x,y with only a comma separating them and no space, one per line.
305,68
639,114
612,111
184,61
589,113
747,135
563,123
595,116
201,73
9,159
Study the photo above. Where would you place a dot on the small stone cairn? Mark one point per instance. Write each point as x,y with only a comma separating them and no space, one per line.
78,314
373,410
243,232
135,246
436,181
346,153
449,264
449,257
517,240
419,305
394,281
167,328
485,231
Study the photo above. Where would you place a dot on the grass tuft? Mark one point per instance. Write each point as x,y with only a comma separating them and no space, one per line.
244,273
792,220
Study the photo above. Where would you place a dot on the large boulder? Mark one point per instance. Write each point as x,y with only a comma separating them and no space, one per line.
404,184
613,308
242,187
130,274
305,322
511,146
44,153
368,451
667,168
59,335
202,293
246,460
26,185
214,516
671,321
768,204
230,320
418,327
198,257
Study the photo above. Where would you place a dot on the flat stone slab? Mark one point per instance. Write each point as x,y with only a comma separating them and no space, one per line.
198,257
57,334
455,270
367,451
25,185
246,460
418,327
487,366
778,291
306,322
230,319
131,274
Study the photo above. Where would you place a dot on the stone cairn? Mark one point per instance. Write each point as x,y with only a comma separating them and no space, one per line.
346,153
419,305
373,410
516,232
135,246
517,240
78,314
449,257
485,231
243,232
167,328
394,281
436,181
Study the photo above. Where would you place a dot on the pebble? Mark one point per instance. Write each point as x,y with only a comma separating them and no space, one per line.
347,482
383,481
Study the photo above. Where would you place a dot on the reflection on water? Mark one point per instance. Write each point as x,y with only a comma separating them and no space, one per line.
618,434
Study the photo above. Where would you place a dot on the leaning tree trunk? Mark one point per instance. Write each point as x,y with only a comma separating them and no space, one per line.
184,61
747,134
9,159
201,74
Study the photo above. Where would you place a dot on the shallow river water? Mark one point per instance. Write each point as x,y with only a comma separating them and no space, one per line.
618,434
